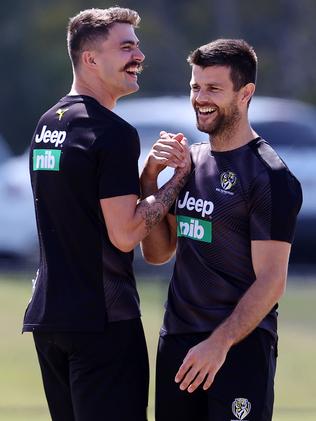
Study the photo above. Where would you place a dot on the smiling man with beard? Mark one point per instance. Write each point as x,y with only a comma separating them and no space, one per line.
232,229
84,312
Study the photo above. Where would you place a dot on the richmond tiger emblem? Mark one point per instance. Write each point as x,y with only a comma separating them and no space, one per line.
228,180
241,408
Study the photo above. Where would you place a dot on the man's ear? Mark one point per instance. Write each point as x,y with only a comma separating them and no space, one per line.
88,59
247,92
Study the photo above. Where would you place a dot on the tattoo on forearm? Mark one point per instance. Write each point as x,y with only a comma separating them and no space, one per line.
155,207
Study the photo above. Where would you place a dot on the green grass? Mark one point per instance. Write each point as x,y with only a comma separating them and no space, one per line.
22,397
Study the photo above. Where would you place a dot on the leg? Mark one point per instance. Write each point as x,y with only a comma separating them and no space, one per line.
172,403
109,374
55,374
243,388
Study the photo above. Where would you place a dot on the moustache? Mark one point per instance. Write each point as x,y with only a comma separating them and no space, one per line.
139,67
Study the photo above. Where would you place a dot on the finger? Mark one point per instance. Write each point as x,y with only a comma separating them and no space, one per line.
209,380
164,134
169,150
188,378
178,137
169,145
165,160
178,157
159,159
184,368
184,143
170,141
199,379
169,161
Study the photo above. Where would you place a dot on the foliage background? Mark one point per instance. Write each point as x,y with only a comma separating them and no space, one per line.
36,71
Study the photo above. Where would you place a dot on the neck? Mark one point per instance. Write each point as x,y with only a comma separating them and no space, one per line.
233,138
94,89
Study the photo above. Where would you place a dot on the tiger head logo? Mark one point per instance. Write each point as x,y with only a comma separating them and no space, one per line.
228,180
241,408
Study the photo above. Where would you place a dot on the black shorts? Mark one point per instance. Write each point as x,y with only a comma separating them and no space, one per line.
96,376
242,389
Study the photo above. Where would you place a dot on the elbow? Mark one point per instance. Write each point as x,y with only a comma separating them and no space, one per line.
156,259
282,288
153,260
123,243
281,285
278,289
125,248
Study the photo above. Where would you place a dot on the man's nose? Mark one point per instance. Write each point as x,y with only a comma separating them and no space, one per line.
201,96
139,56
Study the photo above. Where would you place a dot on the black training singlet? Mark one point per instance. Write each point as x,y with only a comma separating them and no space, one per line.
230,199
81,152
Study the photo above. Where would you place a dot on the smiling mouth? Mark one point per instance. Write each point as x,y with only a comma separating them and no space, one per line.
133,70
205,110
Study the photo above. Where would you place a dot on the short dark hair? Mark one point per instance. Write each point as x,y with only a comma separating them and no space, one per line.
234,53
88,26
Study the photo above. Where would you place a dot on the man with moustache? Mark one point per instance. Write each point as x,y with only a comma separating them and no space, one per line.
232,230
84,312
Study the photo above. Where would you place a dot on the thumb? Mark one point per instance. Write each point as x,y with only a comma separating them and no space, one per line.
179,137
184,141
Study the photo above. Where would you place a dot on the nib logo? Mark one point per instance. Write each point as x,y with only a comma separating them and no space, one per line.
46,159
196,229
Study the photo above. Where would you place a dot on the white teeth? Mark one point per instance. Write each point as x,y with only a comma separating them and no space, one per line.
132,69
206,109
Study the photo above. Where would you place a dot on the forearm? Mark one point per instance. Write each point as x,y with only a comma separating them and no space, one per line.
158,246
251,309
152,209
128,221
147,214
205,359
202,362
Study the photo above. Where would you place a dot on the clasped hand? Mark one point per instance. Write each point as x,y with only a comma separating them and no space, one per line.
169,151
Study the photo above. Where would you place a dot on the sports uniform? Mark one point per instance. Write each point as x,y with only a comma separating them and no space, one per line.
84,311
230,199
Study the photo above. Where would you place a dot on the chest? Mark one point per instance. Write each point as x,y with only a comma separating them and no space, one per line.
214,199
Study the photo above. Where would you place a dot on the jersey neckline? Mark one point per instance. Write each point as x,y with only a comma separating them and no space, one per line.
236,150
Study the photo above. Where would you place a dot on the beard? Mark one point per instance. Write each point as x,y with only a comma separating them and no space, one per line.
225,122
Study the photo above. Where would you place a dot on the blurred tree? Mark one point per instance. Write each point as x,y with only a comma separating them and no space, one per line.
36,70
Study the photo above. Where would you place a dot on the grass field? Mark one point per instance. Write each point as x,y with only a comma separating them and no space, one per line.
22,398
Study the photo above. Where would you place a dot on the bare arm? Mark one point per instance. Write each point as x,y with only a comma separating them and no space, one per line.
128,222
270,262
159,246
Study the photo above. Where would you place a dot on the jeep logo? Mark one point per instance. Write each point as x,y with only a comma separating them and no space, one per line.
56,137
199,205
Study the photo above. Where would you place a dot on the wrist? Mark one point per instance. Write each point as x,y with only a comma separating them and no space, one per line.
222,337
149,177
151,169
